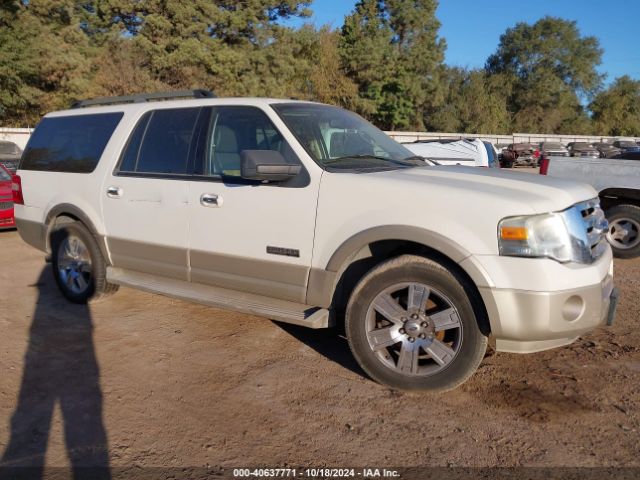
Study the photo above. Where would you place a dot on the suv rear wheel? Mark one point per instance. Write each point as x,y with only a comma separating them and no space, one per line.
78,265
411,325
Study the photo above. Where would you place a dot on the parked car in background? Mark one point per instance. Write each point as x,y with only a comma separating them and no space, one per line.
520,154
6,200
10,154
607,150
626,146
628,156
617,182
583,149
555,149
471,152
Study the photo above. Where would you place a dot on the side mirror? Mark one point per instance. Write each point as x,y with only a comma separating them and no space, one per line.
266,165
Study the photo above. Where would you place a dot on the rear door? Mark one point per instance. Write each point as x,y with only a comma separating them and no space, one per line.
245,235
145,198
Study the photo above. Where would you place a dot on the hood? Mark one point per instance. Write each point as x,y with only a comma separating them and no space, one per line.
528,192
462,204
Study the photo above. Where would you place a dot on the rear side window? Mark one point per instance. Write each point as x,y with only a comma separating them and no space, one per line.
161,143
69,144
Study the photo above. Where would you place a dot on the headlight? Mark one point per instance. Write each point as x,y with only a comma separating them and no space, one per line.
535,236
573,235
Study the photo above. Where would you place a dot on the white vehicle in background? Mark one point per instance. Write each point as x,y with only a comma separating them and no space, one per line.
469,152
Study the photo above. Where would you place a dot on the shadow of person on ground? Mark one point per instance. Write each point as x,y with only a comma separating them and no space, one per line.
60,368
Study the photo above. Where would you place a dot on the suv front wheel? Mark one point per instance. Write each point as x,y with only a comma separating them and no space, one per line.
411,325
79,267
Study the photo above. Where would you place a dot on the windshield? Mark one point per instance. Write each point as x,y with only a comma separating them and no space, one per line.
628,144
339,139
554,146
582,145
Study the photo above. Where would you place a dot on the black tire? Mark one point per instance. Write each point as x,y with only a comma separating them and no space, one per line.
629,216
507,164
97,286
471,345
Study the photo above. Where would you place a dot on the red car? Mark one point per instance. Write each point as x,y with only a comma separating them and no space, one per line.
6,200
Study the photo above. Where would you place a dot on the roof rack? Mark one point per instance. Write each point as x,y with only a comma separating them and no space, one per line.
144,97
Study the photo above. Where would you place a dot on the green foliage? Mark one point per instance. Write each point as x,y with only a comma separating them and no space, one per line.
43,59
391,50
473,102
549,67
386,62
616,111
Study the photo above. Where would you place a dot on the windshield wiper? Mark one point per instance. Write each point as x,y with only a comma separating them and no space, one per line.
409,161
420,159
357,157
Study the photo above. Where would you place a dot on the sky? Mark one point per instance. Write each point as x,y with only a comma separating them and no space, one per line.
472,28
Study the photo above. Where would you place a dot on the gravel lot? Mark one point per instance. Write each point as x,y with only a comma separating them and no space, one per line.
144,380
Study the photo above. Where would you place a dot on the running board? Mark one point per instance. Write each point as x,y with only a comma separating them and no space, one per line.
274,309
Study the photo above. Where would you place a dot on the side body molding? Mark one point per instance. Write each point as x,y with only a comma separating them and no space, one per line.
322,282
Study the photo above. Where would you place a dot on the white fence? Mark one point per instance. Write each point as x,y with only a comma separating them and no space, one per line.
19,136
407,137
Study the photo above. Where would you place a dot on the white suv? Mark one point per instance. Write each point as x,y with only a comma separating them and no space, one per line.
306,213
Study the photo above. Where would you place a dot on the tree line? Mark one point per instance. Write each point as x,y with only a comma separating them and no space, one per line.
386,62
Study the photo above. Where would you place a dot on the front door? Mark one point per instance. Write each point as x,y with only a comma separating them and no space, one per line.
245,235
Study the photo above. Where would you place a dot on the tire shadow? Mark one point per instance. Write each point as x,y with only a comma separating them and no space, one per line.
327,342
60,368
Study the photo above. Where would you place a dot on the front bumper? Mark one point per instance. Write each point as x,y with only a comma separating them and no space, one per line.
525,321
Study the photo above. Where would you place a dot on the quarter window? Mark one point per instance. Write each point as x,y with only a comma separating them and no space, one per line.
71,144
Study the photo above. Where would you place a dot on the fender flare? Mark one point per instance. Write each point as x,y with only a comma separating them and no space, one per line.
73,211
323,282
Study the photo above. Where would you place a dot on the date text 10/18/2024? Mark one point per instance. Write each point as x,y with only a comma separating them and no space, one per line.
315,473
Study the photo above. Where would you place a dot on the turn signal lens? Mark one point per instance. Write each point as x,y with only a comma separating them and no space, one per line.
513,233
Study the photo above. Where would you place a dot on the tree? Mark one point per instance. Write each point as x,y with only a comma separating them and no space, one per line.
616,110
203,43
473,102
43,60
392,52
550,67
327,79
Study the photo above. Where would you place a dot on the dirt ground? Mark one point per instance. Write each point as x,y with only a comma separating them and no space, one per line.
143,380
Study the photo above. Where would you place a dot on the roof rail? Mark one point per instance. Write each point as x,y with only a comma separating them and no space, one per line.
144,97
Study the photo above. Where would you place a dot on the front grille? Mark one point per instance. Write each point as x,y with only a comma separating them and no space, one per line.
596,226
6,205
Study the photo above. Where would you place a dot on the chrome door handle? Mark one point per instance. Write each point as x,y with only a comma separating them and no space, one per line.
210,200
114,192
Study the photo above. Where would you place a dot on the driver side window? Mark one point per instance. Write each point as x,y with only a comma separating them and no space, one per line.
235,129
